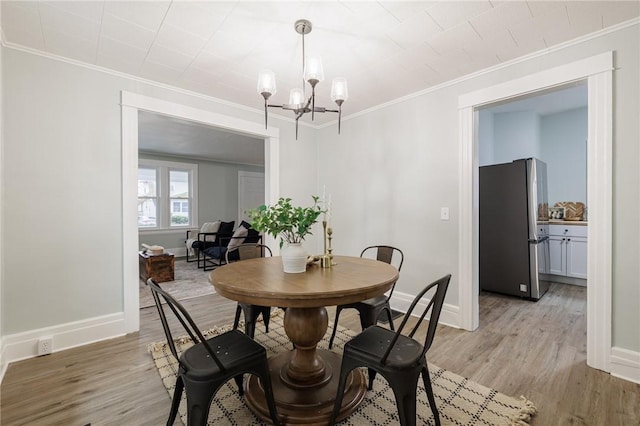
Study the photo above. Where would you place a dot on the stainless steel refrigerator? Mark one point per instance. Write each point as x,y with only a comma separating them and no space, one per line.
514,242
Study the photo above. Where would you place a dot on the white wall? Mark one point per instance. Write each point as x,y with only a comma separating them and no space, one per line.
63,158
563,146
394,167
517,135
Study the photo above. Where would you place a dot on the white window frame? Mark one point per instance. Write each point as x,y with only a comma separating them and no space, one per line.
163,219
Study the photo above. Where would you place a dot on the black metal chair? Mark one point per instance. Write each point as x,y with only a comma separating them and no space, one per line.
371,309
251,312
208,364
398,358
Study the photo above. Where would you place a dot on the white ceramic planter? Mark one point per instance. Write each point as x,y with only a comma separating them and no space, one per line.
294,258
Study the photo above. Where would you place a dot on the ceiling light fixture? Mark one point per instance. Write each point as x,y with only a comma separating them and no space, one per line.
312,73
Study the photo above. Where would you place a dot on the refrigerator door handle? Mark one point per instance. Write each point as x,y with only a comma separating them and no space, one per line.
539,240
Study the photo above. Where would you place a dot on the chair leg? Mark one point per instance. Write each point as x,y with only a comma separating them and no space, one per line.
406,403
236,320
335,326
239,382
175,402
249,326
345,369
372,377
199,396
266,316
268,393
367,318
390,318
428,388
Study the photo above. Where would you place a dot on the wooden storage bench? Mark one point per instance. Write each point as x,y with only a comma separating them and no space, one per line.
160,267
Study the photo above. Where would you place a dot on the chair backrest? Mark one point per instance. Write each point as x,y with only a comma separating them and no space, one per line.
185,319
248,251
388,254
435,292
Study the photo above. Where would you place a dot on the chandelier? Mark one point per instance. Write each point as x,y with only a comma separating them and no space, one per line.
312,73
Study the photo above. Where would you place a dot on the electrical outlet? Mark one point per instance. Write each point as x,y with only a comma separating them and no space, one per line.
444,213
45,346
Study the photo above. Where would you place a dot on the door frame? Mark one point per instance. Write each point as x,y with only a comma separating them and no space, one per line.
132,103
597,71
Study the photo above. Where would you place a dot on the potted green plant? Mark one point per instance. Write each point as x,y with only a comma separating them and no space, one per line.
292,224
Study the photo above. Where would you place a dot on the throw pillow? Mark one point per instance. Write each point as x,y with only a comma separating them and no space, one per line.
238,237
224,232
210,227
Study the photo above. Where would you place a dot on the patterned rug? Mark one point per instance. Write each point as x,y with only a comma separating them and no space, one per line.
459,400
189,282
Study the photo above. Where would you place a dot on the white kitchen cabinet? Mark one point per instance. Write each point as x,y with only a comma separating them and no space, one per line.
568,250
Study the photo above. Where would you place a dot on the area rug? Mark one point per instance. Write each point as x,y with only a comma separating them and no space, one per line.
189,282
459,400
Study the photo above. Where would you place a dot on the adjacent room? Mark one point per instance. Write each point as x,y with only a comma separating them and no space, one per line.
336,212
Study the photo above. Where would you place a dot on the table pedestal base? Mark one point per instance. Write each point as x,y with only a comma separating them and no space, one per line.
306,404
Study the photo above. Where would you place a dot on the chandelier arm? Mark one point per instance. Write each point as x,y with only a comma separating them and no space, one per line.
339,117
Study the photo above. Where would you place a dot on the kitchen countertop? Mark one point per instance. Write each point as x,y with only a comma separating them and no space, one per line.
568,222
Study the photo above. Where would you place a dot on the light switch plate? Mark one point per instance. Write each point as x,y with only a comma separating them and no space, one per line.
444,213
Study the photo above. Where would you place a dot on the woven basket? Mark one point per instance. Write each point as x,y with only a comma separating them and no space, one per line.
572,210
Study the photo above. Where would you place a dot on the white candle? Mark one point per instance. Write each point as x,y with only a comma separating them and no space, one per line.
324,202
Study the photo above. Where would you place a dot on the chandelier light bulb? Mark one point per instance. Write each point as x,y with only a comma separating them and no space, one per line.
296,97
313,70
266,83
339,91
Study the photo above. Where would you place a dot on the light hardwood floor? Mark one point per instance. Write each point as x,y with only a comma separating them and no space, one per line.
521,348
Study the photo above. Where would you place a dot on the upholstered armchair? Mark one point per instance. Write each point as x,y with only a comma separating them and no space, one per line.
191,242
214,255
212,235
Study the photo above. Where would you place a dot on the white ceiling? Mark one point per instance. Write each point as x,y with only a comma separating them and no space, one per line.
385,49
159,134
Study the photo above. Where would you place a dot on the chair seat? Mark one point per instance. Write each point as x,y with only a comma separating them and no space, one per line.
373,342
216,252
374,301
232,348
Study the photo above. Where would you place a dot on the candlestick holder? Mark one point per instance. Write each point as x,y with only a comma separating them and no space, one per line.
325,260
329,249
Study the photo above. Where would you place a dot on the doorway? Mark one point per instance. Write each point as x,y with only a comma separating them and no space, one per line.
597,71
133,103
550,126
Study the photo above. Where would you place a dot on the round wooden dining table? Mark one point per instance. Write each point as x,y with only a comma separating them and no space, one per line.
305,378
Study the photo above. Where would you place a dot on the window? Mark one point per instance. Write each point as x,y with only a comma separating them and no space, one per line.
166,194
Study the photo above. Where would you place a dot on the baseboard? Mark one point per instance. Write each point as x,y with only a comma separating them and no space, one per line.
24,345
3,361
625,364
178,252
450,314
